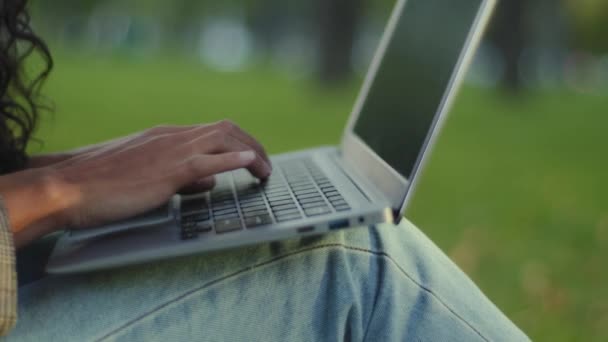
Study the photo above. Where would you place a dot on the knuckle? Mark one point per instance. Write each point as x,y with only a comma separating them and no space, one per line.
218,140
194,165
216,135
191,149
226,125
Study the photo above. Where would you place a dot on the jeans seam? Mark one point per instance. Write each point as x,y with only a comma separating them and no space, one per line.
273,260
422,287
380,276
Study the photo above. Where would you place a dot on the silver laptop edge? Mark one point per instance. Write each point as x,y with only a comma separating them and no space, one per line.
368,165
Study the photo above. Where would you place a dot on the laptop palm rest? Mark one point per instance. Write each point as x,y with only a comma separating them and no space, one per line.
153,218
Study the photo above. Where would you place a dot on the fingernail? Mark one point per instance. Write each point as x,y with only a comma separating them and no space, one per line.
268,169
247,156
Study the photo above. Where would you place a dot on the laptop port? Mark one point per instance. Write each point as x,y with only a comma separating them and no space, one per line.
335,225
303,230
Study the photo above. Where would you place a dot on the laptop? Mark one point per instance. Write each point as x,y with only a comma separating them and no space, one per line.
366,181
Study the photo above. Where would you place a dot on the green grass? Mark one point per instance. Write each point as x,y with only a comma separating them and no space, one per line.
515,192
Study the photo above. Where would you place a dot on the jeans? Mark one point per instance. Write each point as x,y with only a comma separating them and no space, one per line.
389,283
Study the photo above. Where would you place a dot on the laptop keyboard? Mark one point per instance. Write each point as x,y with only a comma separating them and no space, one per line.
297,189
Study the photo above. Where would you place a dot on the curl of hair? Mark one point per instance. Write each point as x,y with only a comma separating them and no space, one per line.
19,95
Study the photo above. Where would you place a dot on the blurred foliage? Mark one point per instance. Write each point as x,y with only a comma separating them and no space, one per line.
589,20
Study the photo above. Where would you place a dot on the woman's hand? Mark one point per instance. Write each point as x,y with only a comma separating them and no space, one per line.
44,160
138,173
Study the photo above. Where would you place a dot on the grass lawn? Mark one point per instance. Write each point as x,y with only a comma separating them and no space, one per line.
515,191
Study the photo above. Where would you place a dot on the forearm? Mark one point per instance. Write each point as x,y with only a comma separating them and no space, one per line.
35,202
43,160
49,159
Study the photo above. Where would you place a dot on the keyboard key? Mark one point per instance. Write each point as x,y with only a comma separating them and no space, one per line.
248,198
203,227
284,193
255,213
284,207
255,197
195,217
278,192
251,203
289,217
311,195
226,216
250,193
223,204
312,200
275,188
339,202
303,187
332,193
194,205
224,207
247,188
301,184
286,212
335,198
342,208
222,198
188,230
227,225
188,225
256,221
305,192
281,202
282,198
313,205
316,211
255,209
224,211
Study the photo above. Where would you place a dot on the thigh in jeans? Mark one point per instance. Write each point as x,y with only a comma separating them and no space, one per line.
381,284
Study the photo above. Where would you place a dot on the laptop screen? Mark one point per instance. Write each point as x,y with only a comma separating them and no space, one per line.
413,78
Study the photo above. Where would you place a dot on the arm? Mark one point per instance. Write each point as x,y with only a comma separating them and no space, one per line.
49,159
125,178
43,160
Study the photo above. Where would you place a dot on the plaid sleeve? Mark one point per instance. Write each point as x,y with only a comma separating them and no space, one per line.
8,275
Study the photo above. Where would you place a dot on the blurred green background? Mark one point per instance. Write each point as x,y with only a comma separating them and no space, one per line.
515,191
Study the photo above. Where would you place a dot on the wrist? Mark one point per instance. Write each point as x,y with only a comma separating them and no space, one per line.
37,202
61,197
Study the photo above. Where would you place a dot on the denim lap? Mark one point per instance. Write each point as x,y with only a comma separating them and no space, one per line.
381,284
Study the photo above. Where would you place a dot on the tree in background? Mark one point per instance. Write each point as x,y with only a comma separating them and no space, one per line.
338,22
589,24
508,35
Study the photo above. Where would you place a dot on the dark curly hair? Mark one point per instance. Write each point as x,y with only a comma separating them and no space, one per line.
19,94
